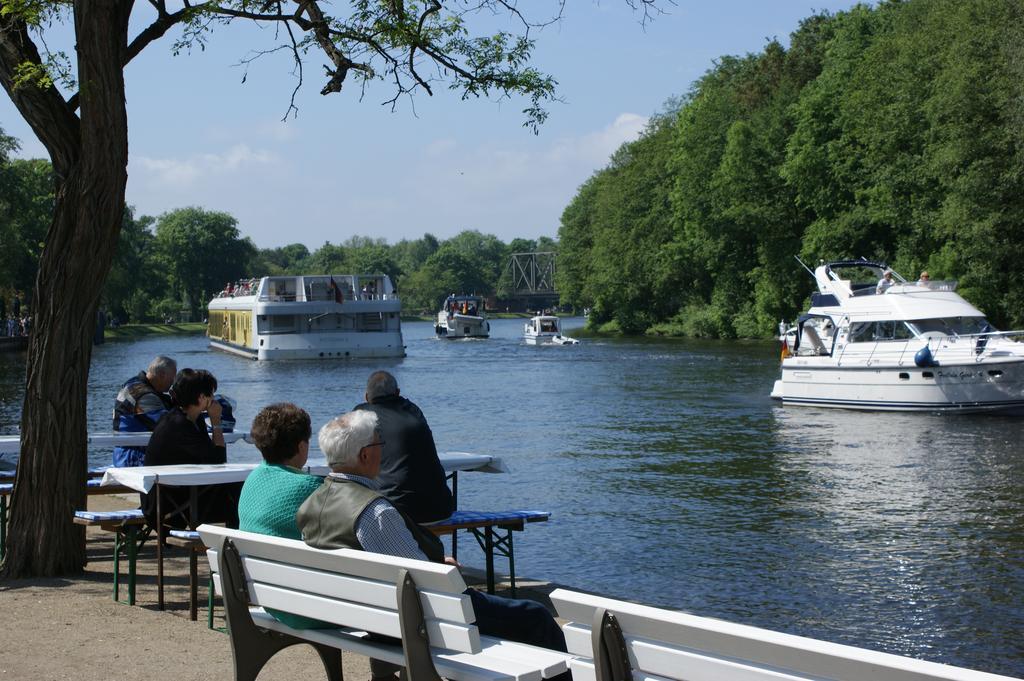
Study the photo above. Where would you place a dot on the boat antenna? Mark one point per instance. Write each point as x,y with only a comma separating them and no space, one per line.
809,270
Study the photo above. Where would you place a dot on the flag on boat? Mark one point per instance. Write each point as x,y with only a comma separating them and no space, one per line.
337,291
785,349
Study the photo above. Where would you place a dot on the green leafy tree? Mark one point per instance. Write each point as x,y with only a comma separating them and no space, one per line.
329,259
201,251
26,204
136,276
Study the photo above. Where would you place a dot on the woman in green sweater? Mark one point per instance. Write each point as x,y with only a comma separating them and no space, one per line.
274,491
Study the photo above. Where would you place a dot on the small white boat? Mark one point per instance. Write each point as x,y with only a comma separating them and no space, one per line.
897,346
462,317
546,330
339,316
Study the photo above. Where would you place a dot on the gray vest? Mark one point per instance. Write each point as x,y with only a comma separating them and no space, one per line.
328,517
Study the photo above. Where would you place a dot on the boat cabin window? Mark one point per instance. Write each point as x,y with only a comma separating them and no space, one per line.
549,326
868,332
280,289
953,326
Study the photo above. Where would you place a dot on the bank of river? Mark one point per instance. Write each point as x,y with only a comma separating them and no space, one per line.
674,480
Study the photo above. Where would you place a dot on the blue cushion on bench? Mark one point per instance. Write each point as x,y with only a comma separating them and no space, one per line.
460,517
185,534
110,516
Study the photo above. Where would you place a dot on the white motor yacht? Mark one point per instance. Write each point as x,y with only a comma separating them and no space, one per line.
546,330
901,346
462,317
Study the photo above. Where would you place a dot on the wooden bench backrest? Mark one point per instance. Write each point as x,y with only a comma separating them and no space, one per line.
348,588
666,644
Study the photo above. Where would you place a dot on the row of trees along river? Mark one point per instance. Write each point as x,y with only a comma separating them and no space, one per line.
892,132
176,262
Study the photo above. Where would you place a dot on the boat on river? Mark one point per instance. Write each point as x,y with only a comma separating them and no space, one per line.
462,316
914,347
344,316
545,330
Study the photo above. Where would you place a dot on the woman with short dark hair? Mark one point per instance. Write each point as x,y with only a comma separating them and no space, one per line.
180,437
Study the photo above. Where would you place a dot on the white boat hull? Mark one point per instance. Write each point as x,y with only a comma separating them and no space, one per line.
319,346
964,388
463,326
549,339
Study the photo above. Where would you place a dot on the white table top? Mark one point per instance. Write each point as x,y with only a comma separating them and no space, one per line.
142,478
11,444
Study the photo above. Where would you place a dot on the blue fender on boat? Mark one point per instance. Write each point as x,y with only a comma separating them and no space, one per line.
924,358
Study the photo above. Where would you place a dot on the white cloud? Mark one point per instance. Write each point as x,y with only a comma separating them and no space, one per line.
440,146
184,172
597,147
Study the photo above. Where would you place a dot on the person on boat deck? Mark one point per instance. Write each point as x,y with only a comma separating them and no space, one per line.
411,476
349,511
885,282
272,493
140,403
924,279
181,438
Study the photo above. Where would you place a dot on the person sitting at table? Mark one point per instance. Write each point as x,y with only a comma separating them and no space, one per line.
411,475
140,403
181,438
272,493
349,511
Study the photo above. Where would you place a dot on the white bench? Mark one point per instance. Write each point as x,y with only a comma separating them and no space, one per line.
419,604
638,642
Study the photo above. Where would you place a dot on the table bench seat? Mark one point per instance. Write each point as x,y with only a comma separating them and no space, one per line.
484,526
193,543
125,524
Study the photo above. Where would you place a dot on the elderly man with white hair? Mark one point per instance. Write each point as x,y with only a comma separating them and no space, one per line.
349,511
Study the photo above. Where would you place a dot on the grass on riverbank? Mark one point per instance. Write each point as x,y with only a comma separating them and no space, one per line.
130,331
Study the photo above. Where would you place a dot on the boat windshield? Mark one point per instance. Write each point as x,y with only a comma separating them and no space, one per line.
549,326
866,332
952,326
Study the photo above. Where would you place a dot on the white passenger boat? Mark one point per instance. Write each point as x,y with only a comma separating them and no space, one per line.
546,330
308,317
462,317
914,347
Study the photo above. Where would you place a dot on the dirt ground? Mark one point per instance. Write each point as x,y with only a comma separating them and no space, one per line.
54,629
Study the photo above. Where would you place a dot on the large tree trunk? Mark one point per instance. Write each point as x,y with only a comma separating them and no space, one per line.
90,163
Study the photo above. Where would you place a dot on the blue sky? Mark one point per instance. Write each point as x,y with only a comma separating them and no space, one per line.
199,136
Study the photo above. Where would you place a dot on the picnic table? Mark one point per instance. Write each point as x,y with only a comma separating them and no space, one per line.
197,477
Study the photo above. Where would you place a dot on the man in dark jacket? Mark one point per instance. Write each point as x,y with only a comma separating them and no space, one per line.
140,403
411,476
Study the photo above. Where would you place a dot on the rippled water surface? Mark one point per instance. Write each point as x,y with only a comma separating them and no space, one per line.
674,480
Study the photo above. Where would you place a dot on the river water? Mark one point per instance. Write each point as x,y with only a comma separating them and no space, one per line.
674,480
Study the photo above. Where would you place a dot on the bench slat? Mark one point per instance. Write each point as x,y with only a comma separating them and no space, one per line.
432,576
463,638
661,661
483,667
583,670
757,648
551,661
442,606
